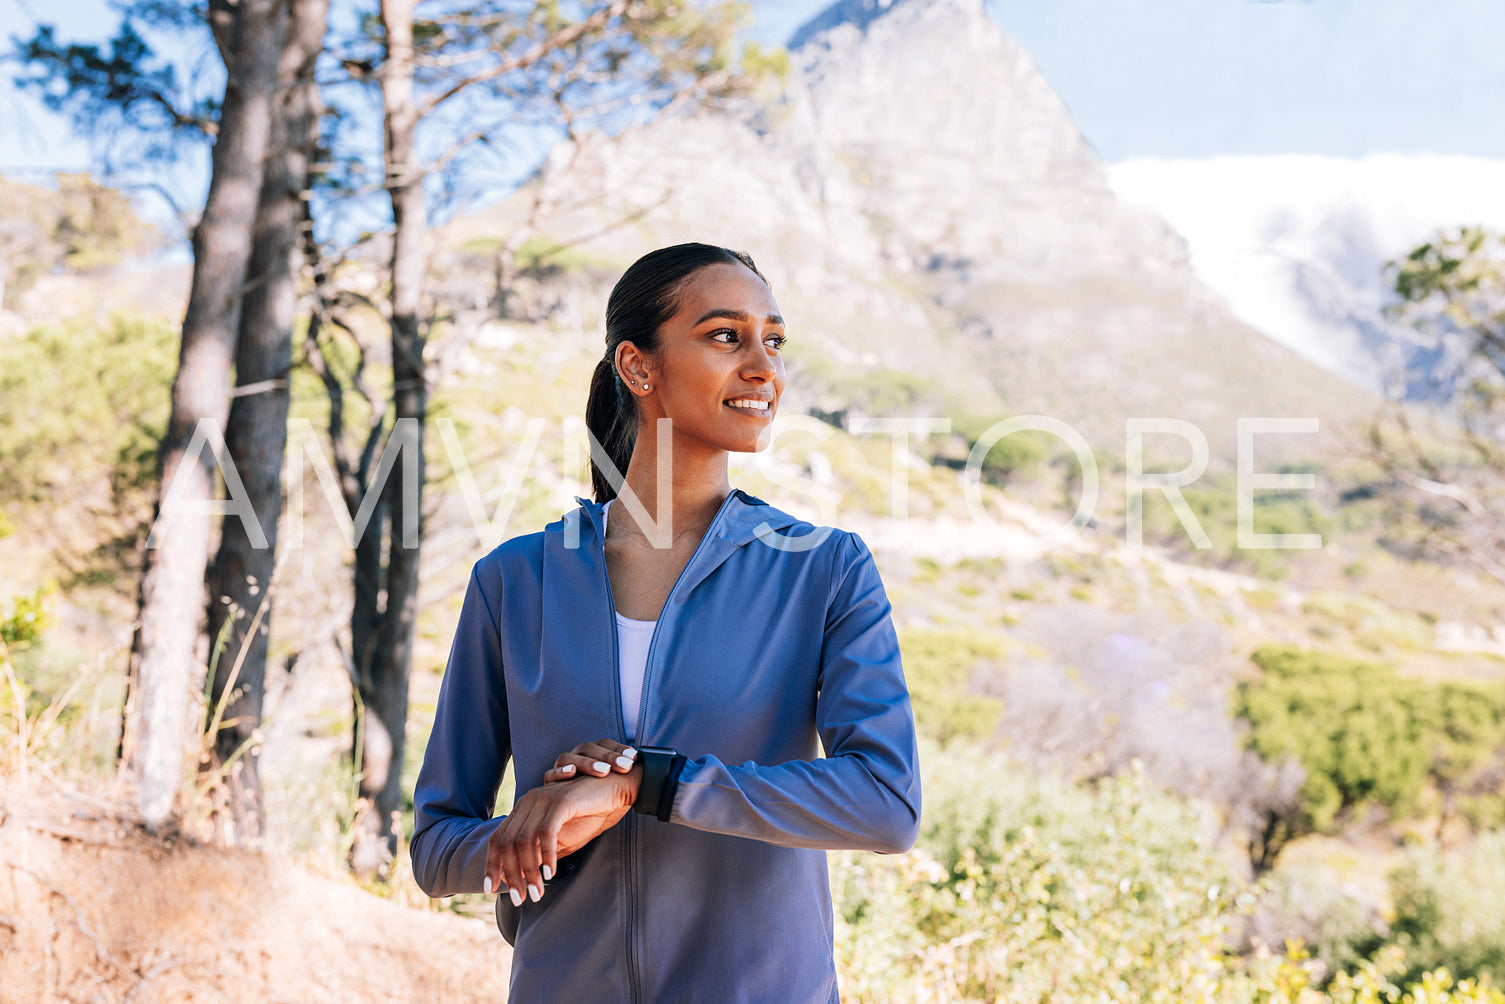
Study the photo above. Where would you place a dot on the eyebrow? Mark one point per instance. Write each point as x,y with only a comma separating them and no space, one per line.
735,315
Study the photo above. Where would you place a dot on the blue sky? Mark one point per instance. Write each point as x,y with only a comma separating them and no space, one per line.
1165,78
1199,78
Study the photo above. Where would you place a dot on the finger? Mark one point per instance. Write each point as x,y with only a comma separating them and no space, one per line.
587,764
507,852
531,861
615,755
528,883
548,844
563,773
493,879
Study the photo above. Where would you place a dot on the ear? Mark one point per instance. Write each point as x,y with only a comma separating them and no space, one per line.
632,364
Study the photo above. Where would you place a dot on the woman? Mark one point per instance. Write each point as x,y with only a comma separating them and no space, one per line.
710,642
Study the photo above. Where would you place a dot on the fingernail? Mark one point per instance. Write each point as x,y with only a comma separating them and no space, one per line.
624,762
534,894
548,873
487,885
629,752
517,897
568,768
599,767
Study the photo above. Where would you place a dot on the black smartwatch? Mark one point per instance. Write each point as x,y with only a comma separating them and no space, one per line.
661,769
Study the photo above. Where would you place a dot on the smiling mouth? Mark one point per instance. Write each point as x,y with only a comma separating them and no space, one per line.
750,406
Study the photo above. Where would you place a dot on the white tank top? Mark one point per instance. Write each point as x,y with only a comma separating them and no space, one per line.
633,637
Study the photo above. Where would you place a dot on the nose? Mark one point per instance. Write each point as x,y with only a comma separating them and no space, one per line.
760,364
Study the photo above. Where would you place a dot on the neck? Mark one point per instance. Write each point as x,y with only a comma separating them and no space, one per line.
687,498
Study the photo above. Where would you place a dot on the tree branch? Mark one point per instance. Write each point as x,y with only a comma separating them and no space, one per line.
557,41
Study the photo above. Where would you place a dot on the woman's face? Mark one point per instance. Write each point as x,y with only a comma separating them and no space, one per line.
719,372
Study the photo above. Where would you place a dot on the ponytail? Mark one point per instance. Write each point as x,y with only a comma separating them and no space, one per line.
644,298
611,418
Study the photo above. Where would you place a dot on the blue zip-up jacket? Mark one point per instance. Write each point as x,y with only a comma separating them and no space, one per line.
765,646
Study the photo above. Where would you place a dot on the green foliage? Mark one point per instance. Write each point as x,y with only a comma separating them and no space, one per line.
125,82
938,665
1456,278
79,402
1009,455
1213,500
1449,292
1370,623
1367,736
26,621
1030,889
1310,899
1027,889
1447,908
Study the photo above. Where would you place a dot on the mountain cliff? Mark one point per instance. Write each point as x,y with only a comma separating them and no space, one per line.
924,205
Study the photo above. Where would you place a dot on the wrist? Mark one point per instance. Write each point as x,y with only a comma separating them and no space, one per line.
629,785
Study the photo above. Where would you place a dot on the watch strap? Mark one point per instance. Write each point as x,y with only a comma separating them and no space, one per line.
662,766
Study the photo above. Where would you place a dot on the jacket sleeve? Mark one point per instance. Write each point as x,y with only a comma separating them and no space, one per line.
865,792
466,757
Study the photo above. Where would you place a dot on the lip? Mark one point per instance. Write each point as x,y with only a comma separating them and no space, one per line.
765,414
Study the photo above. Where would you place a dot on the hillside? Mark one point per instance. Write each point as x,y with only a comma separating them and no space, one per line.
93,910
944,242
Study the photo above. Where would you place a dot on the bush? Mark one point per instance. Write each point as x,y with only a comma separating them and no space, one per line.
1309,903
82,408
1448,908
1024,888
24,624
1213,499
1367,736
1028,889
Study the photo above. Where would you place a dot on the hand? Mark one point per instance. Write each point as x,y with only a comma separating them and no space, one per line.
595,759
550,822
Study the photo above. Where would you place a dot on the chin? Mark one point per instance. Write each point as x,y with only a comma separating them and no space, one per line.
750,444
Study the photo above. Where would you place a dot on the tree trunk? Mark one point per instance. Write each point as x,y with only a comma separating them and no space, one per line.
382,710
256,433
172,588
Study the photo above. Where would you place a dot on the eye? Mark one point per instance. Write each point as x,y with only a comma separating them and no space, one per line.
777,341
716,336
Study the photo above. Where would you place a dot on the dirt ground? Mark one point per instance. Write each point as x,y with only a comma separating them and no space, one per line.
93,909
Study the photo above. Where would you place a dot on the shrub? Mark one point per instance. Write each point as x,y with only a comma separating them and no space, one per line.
1447,908
938,666
1026,888
24,624
82,408
1367,736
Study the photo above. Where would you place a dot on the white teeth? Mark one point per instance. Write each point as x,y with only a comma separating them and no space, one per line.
749,404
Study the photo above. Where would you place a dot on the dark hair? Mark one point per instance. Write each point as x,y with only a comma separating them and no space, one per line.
644,298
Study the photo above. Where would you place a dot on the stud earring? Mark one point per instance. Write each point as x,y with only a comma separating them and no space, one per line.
645,386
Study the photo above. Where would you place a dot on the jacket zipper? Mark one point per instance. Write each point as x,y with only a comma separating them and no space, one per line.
653,638
626,841
629,835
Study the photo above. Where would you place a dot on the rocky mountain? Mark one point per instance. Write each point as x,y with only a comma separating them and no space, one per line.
932,221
